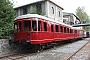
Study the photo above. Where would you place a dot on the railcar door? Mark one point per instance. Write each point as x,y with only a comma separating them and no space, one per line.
22,30
34,32
17,30
26,30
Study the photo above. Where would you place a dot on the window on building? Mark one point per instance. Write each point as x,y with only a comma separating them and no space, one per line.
45,26
52,10
27,26
59,13
57,28
39,26
61,29
19,27
38,8
34,26
16,13
64,29
24,10
52,28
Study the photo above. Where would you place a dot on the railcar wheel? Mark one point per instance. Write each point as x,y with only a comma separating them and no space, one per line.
23,42
39,48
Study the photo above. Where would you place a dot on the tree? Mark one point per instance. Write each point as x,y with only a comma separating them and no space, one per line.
80,12
7,15
35,11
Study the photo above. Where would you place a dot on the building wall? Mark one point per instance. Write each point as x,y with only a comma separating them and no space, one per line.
55,15
32,8
46,10
67,17
43,9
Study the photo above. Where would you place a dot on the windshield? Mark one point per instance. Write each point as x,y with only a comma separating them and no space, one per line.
27,25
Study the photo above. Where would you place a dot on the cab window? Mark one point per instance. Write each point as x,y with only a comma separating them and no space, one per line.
19,27
15,27
27,26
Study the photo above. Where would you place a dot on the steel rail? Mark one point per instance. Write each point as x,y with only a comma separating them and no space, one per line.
31,54
9,55
70,56
54,47
1,57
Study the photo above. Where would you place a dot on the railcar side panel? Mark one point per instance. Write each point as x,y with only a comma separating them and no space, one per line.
39,30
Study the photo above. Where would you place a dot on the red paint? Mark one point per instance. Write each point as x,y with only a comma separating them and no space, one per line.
40,37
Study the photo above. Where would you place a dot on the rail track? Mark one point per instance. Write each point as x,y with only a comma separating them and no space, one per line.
18,56
70,56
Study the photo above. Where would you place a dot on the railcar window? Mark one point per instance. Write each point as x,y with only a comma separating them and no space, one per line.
39,26
19,27
64,29
15,27
27,26
83,32
80,32
52,29
75,31
71,30
45,26
61,29
57,28
34,26
25,10
67,30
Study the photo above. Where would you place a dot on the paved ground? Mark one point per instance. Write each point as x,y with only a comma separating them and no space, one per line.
60,53
83,54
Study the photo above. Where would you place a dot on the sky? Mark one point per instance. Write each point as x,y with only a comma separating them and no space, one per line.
69,6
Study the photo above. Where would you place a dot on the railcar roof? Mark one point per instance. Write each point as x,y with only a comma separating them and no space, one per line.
42,17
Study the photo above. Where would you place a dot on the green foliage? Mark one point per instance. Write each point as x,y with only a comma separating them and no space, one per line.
35,11
7,15
80,12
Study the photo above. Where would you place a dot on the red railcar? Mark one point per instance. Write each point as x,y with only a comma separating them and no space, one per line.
38,30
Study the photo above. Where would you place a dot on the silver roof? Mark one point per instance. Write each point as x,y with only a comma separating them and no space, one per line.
42,17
